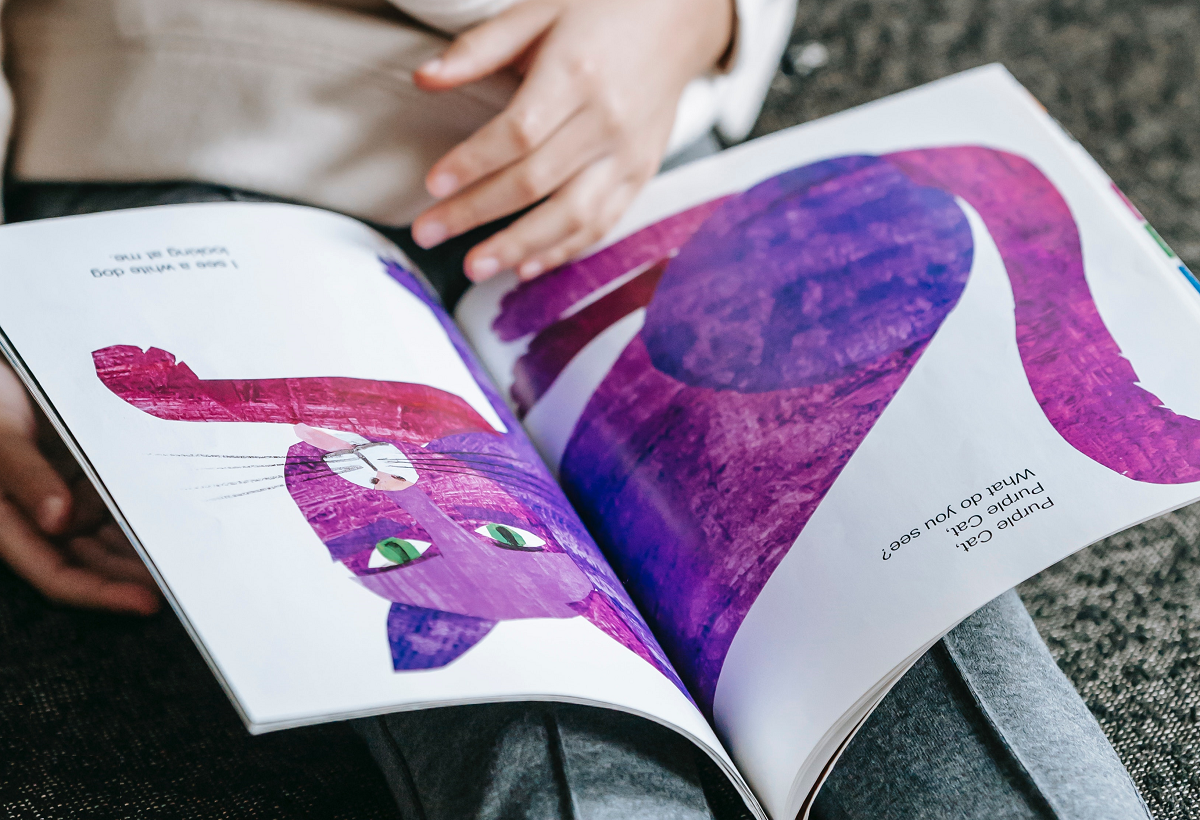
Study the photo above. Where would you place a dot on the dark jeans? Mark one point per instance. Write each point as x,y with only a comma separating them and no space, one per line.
983,726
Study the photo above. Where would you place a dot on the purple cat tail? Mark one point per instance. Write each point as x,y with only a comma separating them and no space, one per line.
428,639
1085,386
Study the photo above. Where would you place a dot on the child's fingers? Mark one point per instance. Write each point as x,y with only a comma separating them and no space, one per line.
554,90
488,47
573,244
542,106
28,479
112,538
533,178
16,411
90,553
566,223
87,509
38,562
109,538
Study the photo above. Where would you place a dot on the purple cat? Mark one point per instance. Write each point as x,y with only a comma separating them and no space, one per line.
461,527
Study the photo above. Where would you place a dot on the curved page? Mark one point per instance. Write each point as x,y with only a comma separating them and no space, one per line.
346,517
822,396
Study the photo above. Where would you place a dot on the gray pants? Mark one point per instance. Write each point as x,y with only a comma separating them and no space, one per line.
983,726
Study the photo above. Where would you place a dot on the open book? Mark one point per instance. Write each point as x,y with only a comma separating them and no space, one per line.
813,402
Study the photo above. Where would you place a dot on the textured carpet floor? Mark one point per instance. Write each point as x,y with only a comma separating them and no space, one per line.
106,716
1122,617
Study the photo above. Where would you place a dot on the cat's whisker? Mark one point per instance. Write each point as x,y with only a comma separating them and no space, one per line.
480,458
250,492
317,476
479,462
284,486
236,483
273,466
210,455
283,462
481,468
261,479
460,460
507,471
469,453
507,481
531,485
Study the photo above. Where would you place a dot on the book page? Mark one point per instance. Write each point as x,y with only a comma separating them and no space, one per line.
822,396
345,517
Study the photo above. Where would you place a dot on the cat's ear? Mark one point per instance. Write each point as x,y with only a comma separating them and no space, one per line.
320,439
429,638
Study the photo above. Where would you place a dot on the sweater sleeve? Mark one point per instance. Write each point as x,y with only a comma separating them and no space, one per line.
452,16
729,100
764,27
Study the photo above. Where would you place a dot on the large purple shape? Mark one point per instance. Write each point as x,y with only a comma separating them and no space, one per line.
778,335
807,276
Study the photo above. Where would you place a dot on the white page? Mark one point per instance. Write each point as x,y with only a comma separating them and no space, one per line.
835,619
283,292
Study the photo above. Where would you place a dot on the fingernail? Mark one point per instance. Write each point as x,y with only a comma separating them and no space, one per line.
528,270
434,66
484,268
51,512
428,234
443,185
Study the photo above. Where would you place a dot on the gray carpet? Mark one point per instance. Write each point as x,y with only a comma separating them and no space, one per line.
1122,617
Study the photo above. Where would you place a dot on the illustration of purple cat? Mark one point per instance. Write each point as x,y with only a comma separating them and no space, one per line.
430,507
779,323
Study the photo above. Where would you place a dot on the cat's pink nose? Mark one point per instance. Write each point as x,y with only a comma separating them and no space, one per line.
386,482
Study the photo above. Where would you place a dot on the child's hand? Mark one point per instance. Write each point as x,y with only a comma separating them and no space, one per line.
587,127
54,530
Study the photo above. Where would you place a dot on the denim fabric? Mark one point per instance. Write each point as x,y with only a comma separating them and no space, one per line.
983,726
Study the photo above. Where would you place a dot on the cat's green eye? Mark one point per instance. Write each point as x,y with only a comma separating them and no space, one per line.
394,551
510,537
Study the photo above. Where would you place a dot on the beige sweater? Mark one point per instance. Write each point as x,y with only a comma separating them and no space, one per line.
311,100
